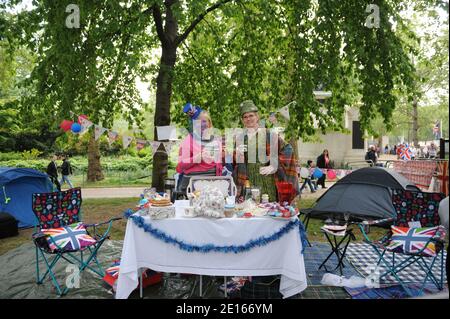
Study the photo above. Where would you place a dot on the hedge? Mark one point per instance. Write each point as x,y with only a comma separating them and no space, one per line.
125,163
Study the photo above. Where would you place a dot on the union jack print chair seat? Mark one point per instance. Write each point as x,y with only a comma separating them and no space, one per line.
415,232
61,235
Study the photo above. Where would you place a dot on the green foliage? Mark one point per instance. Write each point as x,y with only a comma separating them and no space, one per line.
241,53
430,57
119,164
270,51
31,154
10,156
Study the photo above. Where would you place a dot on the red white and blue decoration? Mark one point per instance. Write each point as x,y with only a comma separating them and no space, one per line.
66,125
68,238
193,247
83,124
415,240
149,277
76,128
405,152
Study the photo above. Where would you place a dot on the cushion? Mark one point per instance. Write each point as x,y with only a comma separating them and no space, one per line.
412,240
68,238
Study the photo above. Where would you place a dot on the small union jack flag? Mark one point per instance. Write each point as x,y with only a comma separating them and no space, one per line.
113,271
405,153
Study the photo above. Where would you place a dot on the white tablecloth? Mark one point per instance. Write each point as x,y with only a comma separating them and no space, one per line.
282,256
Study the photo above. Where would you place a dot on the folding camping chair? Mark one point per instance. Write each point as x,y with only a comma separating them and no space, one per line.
56,212
411,207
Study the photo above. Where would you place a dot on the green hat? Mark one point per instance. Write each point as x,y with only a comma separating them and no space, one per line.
248,106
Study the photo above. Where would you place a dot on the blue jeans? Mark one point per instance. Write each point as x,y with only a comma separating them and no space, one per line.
307,180
65,178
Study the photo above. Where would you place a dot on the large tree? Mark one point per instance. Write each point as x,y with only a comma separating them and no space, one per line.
218,53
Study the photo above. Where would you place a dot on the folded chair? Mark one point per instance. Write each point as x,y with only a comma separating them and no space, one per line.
421,242
60,234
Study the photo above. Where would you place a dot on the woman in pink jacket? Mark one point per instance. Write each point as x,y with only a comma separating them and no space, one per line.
201,155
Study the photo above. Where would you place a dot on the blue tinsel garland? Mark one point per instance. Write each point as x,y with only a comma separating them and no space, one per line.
259,242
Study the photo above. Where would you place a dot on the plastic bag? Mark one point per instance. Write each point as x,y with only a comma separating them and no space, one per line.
340,281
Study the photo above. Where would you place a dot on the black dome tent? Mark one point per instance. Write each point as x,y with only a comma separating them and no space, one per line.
363,194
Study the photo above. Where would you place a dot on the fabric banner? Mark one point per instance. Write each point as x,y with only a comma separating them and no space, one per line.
85,125
418,172
169,146
112,137
140,143
284,111
126,140
166,132
98,131
154,145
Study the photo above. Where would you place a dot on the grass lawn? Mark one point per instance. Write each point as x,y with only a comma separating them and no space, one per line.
117,179
98,210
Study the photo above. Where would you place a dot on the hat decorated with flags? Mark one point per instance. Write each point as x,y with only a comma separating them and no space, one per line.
192,111
248,106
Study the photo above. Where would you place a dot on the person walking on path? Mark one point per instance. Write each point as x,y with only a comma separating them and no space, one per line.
323,162
308,179
66,170
52,172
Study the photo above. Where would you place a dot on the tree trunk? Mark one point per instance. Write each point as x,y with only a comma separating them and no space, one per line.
415,123
162,113
94,173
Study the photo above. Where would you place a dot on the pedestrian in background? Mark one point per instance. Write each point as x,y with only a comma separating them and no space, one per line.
66,171
52,172
323,161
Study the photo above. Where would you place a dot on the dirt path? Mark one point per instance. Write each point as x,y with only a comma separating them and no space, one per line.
113,192
125,192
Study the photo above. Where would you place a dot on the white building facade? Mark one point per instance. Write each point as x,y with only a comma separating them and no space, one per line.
343,148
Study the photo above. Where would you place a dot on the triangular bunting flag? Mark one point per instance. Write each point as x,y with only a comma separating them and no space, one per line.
168,146
284,111
85,125
126,140
154,146
112,137
140,143
98,131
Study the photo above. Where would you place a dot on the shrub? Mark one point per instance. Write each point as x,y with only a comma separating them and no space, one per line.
31,155
10,156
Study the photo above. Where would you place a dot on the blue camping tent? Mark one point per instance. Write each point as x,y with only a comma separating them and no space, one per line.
16,188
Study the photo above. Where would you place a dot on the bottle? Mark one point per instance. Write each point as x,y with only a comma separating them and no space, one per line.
247,190
265,199
256,195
